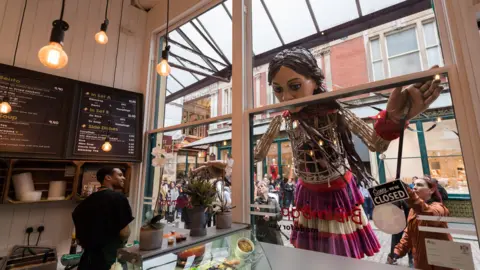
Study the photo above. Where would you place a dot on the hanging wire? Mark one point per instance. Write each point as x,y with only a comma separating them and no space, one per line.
118,45
106,10
168,21
63,9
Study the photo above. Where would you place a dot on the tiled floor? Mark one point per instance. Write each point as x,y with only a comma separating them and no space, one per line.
385,239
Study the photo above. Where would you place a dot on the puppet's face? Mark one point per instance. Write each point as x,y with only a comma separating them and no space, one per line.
288,85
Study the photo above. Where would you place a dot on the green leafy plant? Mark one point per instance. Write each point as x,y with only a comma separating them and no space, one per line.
200,191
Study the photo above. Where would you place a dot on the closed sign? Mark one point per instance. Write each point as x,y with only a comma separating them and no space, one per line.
388,193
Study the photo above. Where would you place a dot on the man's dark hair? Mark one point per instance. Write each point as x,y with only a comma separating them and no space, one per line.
104,172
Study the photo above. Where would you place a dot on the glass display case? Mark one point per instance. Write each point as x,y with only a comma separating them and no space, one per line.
233,248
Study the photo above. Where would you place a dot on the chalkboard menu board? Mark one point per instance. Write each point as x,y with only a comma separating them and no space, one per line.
103,112
37,125
58,118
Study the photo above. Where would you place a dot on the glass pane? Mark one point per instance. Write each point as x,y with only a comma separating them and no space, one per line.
434,57
184,77
402,42
405,64
293,21
316,175
200,42
173,85
378,73
219,25
187,55
186,64
376,51
332,13
175,36
228,3
410,167
430,32
370,6
264,36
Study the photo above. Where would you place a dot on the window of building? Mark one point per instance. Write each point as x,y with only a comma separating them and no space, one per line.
227,101
377,60
271,99
403,52
432,44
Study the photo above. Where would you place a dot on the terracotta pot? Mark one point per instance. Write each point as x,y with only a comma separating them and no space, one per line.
196,221
224,220
150,238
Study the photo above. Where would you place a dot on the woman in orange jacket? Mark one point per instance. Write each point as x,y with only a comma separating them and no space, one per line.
425,199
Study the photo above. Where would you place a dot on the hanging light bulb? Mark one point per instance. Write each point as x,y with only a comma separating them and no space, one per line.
163,68
320,142
311,153
437,77
5,107
101,37
224,143
106,146
53,55
439,119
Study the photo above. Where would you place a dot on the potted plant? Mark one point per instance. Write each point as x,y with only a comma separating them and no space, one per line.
151,233
222,208
201,194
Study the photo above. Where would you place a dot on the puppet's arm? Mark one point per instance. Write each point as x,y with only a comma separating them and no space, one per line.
266,140
376,139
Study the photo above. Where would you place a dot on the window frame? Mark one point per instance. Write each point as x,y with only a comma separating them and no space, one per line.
380,60
412,25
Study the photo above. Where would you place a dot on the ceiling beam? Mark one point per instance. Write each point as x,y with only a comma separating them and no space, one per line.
199,73
213,44
191,44
195,52
271,20
312,15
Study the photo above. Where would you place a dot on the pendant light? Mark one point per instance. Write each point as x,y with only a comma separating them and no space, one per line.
107,146
101,37
5,107
53,55
163,68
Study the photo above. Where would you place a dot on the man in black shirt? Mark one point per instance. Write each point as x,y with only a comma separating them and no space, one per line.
101,221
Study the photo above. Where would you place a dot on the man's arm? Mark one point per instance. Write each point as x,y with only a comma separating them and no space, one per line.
123,217
125,234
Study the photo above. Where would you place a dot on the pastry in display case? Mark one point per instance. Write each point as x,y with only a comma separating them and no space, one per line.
233,248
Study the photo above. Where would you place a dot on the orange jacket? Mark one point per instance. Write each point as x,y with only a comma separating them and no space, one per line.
413,239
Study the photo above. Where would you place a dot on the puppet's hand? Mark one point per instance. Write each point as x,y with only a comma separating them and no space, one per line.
421,96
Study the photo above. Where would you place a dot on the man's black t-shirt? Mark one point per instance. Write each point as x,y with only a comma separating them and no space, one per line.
98,221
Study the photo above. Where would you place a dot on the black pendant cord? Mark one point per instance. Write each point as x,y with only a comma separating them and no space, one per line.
118,45
403,121
106,10
168,21
63,9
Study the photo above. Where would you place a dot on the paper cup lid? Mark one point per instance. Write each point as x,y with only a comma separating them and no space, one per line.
389,218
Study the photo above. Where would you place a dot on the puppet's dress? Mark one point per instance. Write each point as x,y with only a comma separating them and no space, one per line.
329,214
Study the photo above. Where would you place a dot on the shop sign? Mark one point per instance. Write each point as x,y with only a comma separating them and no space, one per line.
167,143
388,193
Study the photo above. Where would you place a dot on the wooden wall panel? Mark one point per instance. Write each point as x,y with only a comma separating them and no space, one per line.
88,61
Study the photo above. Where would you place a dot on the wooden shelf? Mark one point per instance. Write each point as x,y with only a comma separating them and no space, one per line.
38,169
68,198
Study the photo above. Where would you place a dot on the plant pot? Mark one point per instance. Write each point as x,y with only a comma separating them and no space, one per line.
224,220
150,238
196,221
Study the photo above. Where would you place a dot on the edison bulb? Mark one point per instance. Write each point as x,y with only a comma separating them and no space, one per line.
101,37
106,146
53,56
163,68
437,77
5,107
439,119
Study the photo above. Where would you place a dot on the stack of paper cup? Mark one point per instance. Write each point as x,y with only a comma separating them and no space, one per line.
56,190
23,185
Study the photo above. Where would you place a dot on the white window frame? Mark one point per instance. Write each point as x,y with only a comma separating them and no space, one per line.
414,26
375,38
227,100
435,29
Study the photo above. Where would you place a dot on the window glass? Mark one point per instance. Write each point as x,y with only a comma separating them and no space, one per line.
263,29
434,57
402,42
378,70
370,6
219,25
430,32
375,47
344,11
405,64
293,21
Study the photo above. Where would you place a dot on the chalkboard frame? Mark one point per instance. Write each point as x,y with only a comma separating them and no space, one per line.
71,113
106,157
66,83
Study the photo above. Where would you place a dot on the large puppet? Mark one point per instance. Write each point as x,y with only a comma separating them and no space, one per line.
324,156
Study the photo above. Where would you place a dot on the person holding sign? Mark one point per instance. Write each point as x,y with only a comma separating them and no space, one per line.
424,199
